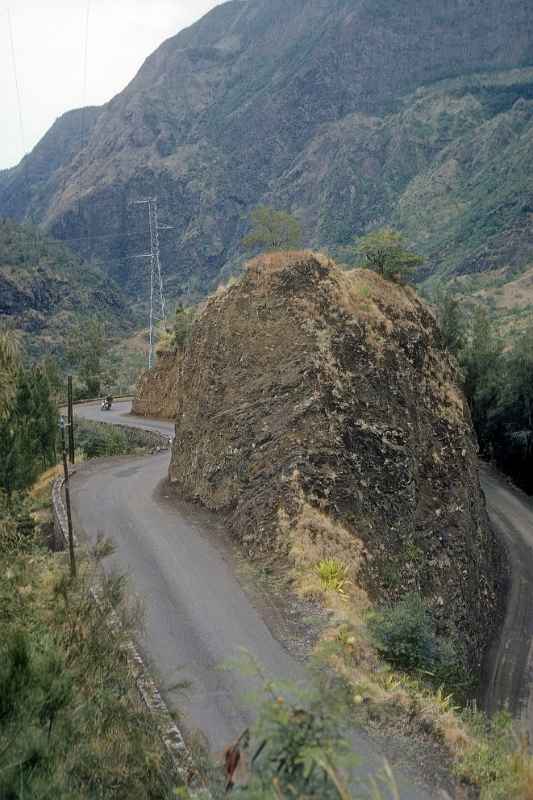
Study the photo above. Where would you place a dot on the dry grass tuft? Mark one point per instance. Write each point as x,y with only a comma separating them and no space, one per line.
277,261
360,285
333,575
396,699
523,768
317,539
41,488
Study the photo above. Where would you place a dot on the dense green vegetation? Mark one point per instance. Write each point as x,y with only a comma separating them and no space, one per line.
178,334
85,354
28,421
47,292
301,746
24,246
405,636
9,363
99,440
499,386
72,725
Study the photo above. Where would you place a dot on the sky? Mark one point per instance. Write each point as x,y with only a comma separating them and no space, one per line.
48,44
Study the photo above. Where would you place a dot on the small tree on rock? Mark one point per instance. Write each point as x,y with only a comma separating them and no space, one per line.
183,325
384,251
272,230
452,321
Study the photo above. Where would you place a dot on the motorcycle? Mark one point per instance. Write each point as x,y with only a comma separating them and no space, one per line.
106,404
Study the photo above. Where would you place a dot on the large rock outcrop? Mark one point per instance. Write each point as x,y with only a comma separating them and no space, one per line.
156,391
306,387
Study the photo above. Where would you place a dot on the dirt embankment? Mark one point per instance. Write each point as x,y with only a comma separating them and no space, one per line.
156,392
310,393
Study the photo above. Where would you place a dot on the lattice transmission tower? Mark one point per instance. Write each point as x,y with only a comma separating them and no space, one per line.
157,295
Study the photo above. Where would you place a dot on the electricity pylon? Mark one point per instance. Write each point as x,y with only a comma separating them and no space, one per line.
157,304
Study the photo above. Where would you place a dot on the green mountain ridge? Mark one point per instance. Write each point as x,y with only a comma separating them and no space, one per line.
46,290
348,113
453,170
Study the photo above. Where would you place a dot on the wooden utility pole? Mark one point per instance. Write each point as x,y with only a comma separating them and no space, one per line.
71,450
67,501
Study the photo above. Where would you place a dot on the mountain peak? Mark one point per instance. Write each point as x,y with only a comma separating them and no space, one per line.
334,109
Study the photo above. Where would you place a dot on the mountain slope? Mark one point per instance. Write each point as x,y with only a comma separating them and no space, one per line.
45,290
350,112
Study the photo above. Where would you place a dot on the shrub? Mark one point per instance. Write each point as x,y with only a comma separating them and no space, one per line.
17,526
27,432
300,745
100,443
183,326
403,634
72,723
496,760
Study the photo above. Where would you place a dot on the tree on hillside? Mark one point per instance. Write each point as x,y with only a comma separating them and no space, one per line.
86,351
272,230
384,251
520,381
483,367
183,322
53,375
27,432
9,365
452,321
177,335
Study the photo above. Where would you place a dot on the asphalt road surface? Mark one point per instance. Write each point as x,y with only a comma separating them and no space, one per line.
197,615
510,665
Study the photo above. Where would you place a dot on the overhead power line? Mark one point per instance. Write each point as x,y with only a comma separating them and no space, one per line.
100,236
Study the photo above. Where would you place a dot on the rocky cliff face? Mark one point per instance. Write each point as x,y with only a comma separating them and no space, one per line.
157,389
308,388
350,113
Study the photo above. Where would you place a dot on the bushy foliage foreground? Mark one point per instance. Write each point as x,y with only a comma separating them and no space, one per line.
498,382
28,431
72,724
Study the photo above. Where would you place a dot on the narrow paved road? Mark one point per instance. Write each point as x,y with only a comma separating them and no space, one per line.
510,664
197,615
